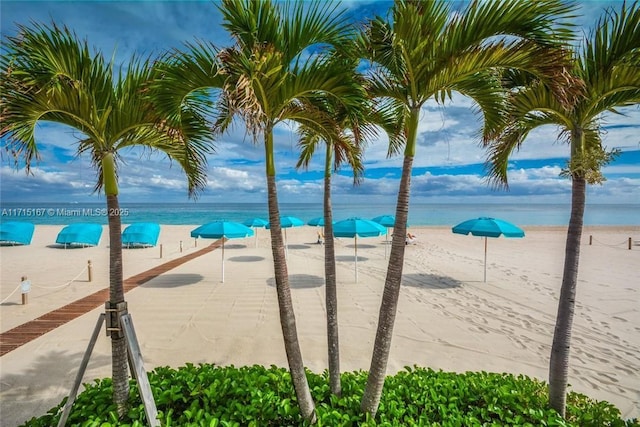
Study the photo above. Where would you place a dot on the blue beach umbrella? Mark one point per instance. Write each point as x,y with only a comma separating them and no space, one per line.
354,227
388,221
256,223
317,222
288,222
488,227
222,230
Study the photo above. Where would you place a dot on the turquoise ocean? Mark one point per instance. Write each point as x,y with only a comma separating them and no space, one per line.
436,214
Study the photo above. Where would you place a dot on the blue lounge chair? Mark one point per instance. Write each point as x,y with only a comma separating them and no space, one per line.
141,235
16,233
81,234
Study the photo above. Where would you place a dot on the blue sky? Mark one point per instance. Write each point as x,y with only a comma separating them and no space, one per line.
449,165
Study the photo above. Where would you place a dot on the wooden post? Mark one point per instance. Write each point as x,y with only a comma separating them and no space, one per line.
590,240
26,287
630,243
89,270
160,250
180,246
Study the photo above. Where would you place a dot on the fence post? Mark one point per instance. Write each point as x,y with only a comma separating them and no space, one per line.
630,243
89,270
26,287
590,239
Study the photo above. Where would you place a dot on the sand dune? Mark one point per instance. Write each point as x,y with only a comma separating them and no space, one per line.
448,318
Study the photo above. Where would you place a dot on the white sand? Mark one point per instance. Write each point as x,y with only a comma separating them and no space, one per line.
447,317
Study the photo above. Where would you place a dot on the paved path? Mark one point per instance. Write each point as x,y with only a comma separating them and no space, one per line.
22,334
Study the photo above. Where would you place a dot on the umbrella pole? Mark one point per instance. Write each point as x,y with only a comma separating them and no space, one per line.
356,258
286,247
485,259
223,259
386,243
255,230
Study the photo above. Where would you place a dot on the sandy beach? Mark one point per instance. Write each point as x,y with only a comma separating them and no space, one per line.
448,318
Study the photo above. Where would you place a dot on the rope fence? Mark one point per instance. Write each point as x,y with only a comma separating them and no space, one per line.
627,244
180,248
25,285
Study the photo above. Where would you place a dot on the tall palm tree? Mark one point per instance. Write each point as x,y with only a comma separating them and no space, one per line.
427,52
274,72
352,128
49,75
606,72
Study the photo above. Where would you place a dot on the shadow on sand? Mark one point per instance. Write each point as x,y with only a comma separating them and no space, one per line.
300,281
173,280
430,281
53,373
350,258
294,246
246,258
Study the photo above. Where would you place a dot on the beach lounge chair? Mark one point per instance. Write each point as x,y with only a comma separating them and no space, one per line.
81,234
411,239
16,233
141,235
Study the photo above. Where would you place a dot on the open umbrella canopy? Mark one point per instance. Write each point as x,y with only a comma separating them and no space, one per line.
255,222
386,220
353,227
289,221
220,229
488,227
317,222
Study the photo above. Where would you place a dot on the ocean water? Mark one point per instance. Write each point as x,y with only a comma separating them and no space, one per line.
419,214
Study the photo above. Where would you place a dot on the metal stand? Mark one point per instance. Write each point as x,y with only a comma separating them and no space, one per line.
117,318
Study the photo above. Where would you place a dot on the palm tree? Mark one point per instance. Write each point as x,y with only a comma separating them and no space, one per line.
427,52
606,72
352,127
49,75
275,72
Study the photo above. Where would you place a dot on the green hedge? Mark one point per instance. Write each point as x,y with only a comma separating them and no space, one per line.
208,395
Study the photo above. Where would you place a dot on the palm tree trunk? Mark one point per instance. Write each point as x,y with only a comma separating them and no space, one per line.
119,365
331,291
285,303
559,363
388,309
116,305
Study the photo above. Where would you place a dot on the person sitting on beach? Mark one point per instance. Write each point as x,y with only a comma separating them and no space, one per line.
411,238
320,237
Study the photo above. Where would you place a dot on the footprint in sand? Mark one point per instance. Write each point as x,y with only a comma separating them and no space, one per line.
586,380
625,370
609,377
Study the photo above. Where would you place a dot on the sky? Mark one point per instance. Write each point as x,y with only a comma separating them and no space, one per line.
448,167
